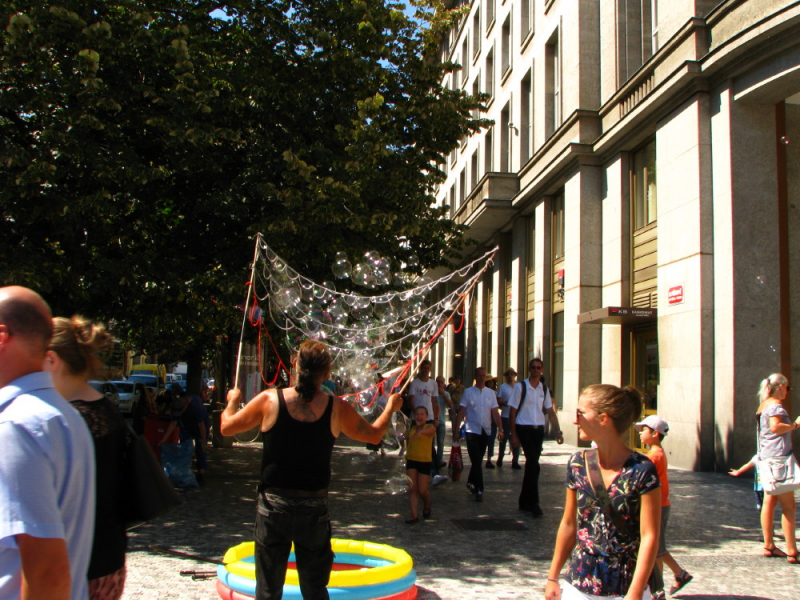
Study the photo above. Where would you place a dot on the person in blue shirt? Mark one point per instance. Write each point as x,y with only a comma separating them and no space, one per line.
47,467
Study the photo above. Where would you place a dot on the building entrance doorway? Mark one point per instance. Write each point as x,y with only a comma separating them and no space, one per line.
645,372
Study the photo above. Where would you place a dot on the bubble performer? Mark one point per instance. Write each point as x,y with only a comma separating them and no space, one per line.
299,426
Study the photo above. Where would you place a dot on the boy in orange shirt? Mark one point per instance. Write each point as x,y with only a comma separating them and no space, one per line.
652,431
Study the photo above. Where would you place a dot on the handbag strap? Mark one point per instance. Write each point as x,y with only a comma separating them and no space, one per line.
601,493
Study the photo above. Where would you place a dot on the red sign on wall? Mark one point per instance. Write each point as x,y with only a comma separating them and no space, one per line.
675,294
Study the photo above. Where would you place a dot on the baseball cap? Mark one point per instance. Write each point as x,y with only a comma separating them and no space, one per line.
655,423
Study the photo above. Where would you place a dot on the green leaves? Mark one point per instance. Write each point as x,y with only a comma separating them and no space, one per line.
143,143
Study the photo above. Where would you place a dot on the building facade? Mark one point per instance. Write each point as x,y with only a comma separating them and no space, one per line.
642,183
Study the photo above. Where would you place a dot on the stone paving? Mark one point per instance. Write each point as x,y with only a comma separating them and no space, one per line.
713,531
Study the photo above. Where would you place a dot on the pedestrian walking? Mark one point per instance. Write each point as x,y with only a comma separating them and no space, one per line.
608,536
651,432
418,464
479,411
530,406
47,470
775,430
77,353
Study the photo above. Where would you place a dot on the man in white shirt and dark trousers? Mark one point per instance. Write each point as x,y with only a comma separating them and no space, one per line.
479,407
504,395
529,405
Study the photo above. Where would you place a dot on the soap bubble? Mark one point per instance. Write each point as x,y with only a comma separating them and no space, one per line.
342,269
773,348
362,274
372,256
398,485
413,260
761,279
287,298
340,256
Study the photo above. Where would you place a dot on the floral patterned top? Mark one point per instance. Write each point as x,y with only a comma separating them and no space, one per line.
604,559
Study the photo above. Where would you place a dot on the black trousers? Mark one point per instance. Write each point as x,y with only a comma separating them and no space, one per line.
281,520
531,438
476,448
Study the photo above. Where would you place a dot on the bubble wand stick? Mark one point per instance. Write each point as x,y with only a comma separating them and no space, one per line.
244,316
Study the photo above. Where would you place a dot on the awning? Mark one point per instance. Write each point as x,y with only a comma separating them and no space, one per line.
618,315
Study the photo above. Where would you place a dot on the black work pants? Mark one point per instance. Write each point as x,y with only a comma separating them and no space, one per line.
281,520
476,448
531,438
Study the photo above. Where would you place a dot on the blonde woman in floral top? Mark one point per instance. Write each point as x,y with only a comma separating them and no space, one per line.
605,556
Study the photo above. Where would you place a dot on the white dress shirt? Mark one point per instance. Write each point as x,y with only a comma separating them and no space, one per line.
478,404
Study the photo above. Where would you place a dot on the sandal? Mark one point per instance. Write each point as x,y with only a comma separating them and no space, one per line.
774,552
681,580
413,521
426,513
793,559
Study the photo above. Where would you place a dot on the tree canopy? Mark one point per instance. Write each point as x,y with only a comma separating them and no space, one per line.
143,143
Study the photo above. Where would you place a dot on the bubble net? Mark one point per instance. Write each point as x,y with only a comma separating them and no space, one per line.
373,339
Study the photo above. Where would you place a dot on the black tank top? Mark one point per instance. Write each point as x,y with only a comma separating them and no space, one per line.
297,454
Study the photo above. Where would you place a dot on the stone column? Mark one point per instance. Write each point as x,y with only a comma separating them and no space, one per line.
582,273
685,258
616,257
518,256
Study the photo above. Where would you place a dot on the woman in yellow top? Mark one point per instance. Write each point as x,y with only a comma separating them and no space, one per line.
419,460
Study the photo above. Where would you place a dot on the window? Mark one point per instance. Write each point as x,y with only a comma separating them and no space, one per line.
643,186
654,26
474,171
488,151
465,60
505,64
525,118
530,268
526,18
490,73
552,85
505,139
476,34
476,88
558,227
453,207
489,13
457,74
462,184
557,373
636,32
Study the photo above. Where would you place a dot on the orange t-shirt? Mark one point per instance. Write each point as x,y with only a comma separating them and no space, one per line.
659,459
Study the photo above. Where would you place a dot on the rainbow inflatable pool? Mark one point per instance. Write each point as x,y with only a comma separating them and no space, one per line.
361,571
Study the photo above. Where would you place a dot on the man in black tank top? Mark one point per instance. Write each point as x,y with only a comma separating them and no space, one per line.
299,427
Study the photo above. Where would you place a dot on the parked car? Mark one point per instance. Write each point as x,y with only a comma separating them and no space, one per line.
108,388
130,394
151,381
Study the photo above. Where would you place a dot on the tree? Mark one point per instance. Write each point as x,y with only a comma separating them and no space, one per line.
143,143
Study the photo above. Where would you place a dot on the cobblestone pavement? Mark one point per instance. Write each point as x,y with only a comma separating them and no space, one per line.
713,531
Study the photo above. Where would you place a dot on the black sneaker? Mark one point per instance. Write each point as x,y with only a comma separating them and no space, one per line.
479,497
471,488
515,465
489,464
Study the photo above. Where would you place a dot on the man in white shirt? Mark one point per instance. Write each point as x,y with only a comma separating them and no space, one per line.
504,395
423,392
479,407
530,406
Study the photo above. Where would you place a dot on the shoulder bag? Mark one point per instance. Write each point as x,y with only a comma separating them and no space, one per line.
779,474
146,490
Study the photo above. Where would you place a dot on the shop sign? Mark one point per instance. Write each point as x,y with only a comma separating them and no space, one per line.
675,295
